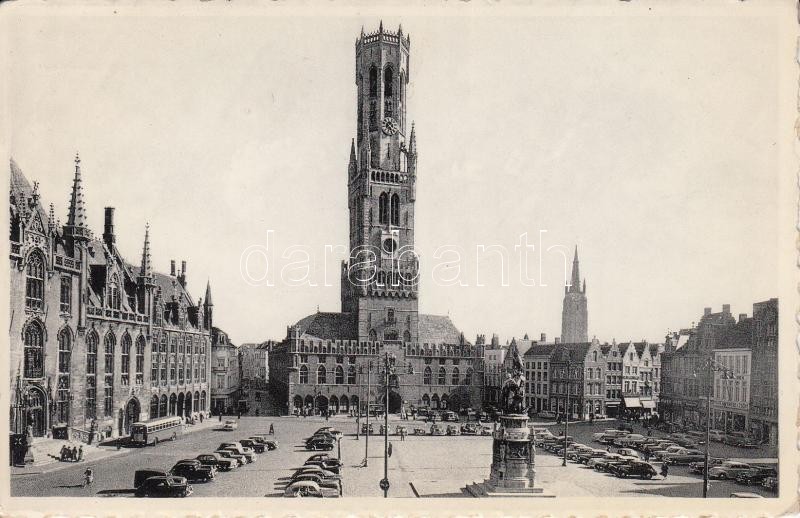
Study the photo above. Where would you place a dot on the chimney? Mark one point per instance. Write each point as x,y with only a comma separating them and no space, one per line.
495,340
108,229
182,275
172,267
543,337
706,311
726,308
558,340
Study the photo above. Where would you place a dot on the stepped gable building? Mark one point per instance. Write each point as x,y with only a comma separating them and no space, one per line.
575,314
580,369
322,363
96,343
764,372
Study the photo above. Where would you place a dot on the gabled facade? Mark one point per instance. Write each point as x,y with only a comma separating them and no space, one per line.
96,342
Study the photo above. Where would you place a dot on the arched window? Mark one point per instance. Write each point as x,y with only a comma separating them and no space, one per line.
395,210
91,375
442,378
108,402
34,283
64,351
153,407
66,294
339,375
112,293
109,344
594,356
406,336
126,359
426,377
388,82
34,346
383,208
140,345
162,406
455,376
373,81
351,375
64,361
322,375
468,377
426,400
373,336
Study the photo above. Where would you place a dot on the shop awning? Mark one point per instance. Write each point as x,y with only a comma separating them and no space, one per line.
612,403
648,403
633,402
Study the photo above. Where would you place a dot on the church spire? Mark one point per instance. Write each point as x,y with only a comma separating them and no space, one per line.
147,267
412,146
353,166
208,301
575,283
76,219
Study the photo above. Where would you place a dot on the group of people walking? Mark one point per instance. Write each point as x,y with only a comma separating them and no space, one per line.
72,454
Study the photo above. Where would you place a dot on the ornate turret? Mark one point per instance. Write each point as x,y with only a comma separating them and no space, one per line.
76,227
208,308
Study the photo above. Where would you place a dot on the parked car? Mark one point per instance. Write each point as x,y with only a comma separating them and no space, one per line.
584,456
449,415
684,457
755,476
660,454
217,461
635,468
716,435
367,429
469,429
321,482
193,471
271,445
601,463
320,444
661,445
325,435
228,454
320,456
330,430
237,447
771,484
453,430
307,488
485,430
728,470
698,437
546,414
436,430
324,473
332,465
740,440
629,452
164,487
230,425
257,447
697,467
143,474
629,440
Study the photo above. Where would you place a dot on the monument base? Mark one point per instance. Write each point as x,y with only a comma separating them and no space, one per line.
486,490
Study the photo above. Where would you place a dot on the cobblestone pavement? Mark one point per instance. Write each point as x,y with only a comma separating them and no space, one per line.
422,466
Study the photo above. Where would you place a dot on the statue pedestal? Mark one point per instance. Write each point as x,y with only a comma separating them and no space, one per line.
513,459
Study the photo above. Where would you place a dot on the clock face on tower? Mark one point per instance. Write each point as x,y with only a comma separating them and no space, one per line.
390,126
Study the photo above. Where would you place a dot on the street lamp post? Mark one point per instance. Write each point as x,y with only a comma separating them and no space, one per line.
566,419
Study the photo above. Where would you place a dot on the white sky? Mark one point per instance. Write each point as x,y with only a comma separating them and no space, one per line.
649,142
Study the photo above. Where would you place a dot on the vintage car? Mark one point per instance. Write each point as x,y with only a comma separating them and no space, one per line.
716,435
771,484
436,430
164,487
660,454
332,465
452,430
320,456
698,437
217,461
600,463
755,476
230,425
635,468
193,471
449,415
485,430
584,456
684,457
610,436
257,447
313,477
419,431
367,429
546,414
324,473
697,467
228,454
740,440
659,446
319,443
469,429
631,440
324,435
629,452
271,444
331,430
143,474
239,449
307,488
728,470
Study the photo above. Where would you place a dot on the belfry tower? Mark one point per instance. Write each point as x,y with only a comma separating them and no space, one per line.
379,282
575,315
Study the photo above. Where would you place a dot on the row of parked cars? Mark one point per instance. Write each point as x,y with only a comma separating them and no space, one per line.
204,468
623,463
320,476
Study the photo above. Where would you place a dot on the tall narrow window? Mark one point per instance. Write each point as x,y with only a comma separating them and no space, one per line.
339,375
322,375
34,283
373,81
91,375
388,82
66,294
455,376
108,402
304,374
395,210
427,375
351,375
64,361
140,345
383,208
442,376
34,346
112,293
126,359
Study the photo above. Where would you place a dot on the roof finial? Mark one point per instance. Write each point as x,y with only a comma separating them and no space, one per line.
362,31
76,219
380,28
147,268
51,218
400,30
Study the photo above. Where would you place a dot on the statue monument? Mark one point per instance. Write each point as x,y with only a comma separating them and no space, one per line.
512,472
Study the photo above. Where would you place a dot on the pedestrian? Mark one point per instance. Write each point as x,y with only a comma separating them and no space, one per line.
201,417
327,414
646,456
271,429
63,454
664,470
88,477
649,432
608,449
239,415
220,416
80,453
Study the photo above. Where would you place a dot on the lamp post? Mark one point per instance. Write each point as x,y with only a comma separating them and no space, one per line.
710,366
368,366
566,418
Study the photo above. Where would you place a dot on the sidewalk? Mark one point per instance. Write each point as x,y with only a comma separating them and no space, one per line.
46,451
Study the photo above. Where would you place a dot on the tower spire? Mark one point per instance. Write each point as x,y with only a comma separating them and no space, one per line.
208,301
412,145
575,283
51,218
76,219
147,267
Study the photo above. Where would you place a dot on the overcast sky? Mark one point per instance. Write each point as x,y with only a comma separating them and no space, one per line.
648,142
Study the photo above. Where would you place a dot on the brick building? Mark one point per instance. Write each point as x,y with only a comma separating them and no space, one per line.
96,341
764,372
575,313
224,373
323,362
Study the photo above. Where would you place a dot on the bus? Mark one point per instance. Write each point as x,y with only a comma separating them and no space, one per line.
155,430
